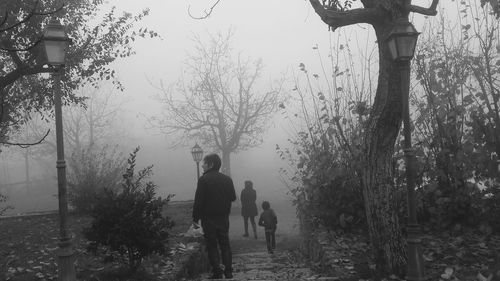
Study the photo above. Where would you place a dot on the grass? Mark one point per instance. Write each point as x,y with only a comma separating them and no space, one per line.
28,248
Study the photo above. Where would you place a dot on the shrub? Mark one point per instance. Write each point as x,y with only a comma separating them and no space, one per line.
3,209
328,191
337,205
444,208
489,208
468,204
92,170
128,221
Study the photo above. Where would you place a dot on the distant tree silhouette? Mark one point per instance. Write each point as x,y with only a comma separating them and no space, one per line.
217,102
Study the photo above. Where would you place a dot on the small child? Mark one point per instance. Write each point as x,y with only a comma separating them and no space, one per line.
269,221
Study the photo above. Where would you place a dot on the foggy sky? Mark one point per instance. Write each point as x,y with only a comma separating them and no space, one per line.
281,35
281,32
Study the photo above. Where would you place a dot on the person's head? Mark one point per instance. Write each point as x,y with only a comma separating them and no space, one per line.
211,161
266,205
248,184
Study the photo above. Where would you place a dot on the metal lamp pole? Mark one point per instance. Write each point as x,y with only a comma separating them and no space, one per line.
401,42
55,42
65,253
415,270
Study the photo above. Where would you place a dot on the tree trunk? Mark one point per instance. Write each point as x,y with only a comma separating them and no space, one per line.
226,163
91,125
27,169
378,180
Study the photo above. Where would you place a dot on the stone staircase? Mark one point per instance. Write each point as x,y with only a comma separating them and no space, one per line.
262,266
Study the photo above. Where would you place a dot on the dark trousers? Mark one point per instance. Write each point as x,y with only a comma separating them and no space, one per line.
252,221
216,232
271,239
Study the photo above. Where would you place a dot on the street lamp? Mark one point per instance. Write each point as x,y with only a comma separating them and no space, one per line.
55,42
197,153
401,42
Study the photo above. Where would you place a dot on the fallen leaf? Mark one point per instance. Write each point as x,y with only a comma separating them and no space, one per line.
448,272
481,277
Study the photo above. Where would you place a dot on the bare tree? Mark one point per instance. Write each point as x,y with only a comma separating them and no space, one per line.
217,103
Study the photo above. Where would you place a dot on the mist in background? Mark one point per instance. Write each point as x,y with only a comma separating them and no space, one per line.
281,33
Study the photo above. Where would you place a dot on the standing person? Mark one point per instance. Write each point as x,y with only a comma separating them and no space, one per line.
248,207
212,204
269,221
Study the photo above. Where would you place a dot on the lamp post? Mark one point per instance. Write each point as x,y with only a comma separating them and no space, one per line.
55,42
498,169
401,42
197,153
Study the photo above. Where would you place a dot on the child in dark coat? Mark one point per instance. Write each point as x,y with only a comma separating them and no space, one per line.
269,221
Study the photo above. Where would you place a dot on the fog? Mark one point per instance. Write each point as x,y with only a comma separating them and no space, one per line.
281,33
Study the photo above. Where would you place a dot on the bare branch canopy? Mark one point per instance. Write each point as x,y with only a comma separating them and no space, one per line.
335,18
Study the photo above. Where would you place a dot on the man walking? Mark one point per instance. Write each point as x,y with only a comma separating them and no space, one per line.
212,204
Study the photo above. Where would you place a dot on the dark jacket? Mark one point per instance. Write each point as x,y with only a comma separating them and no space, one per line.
268,219
213,197
248,206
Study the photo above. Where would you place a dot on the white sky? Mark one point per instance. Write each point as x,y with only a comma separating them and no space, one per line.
282,35
281,32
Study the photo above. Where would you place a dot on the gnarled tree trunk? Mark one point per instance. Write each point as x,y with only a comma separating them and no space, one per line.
378,181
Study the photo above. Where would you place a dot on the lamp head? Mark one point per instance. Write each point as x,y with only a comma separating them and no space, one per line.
197,153
402,40
55,43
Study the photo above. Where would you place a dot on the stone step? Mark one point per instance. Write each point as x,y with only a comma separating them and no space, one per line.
238,280
262,266
273,279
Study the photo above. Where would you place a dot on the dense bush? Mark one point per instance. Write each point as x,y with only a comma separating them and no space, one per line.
90,171
325,159
336,204
327,190
128,221
463,206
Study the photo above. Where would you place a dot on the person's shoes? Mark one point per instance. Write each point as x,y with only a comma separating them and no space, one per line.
228,275
245,235
256,237
270,251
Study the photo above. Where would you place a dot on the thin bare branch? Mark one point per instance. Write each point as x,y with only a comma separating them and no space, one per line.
25,145
207,12
431,11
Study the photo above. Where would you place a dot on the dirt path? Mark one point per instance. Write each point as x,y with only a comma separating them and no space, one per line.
251,260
